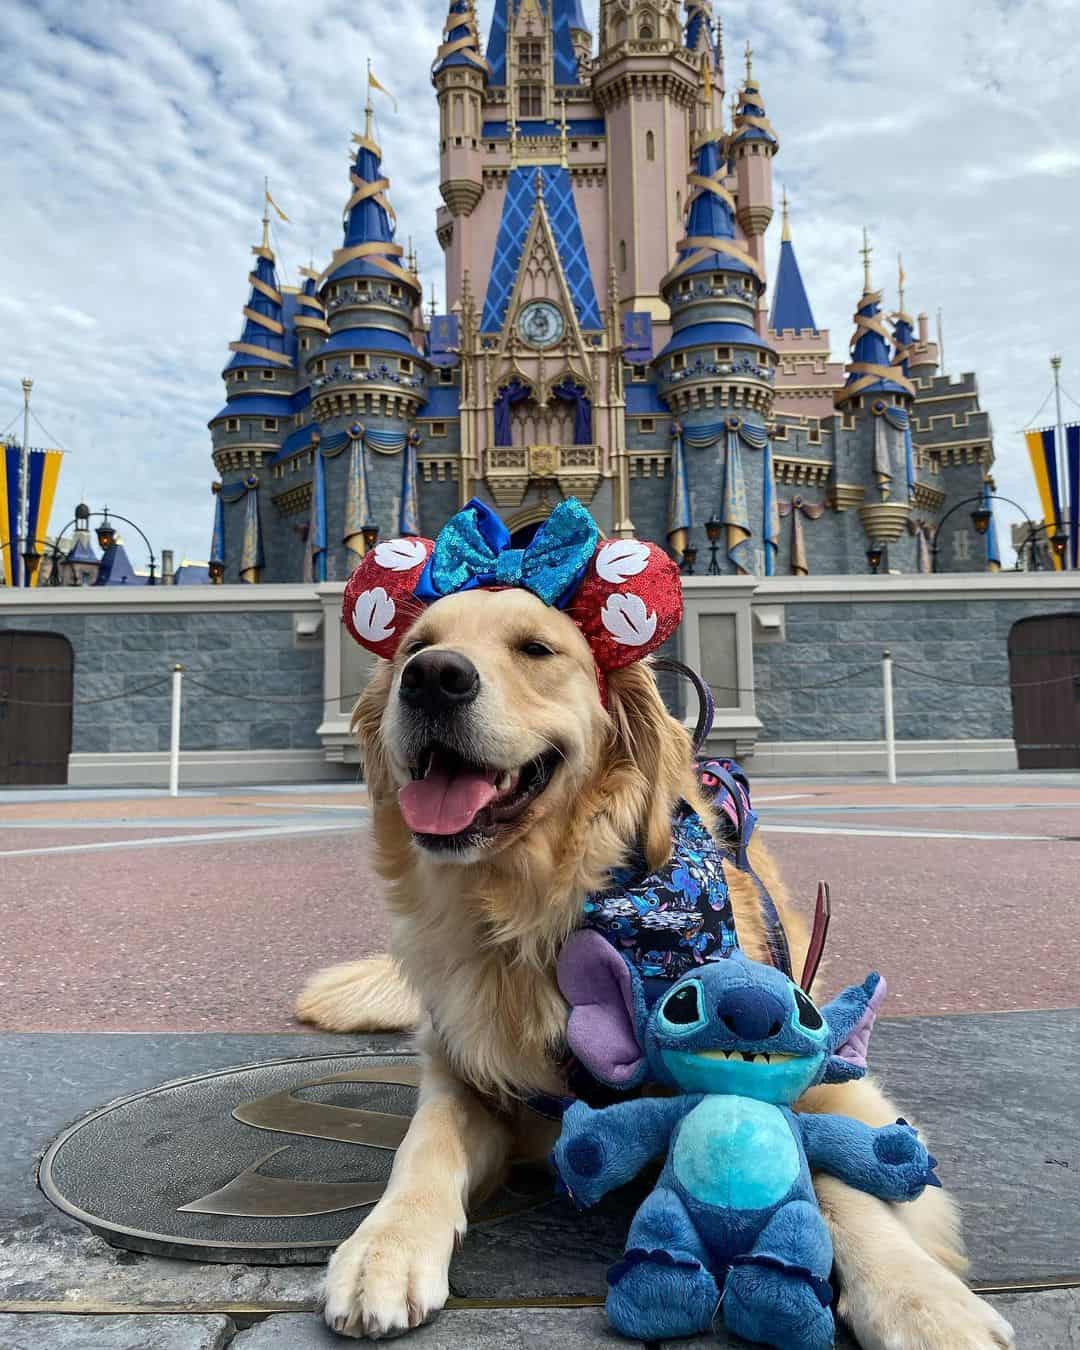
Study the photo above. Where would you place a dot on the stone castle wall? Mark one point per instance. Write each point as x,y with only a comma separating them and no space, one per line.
270,682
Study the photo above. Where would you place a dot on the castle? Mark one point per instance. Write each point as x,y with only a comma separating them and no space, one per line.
607,334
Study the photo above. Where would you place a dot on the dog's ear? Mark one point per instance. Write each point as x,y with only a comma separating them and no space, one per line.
607,1009
366,726
658,747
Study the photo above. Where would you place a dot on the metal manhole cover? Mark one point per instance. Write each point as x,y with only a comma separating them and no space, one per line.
267,1164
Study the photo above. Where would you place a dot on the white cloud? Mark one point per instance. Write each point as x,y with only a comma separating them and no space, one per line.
136,136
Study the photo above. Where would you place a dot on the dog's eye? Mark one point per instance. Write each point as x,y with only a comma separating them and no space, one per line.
416,645
808,1014
535,648
683,1007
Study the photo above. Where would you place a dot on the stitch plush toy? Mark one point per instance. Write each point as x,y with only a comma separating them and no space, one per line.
733,1222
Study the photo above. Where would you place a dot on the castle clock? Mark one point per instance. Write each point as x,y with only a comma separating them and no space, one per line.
541,324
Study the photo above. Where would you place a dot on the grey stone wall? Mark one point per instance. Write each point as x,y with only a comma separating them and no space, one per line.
953,649
247,658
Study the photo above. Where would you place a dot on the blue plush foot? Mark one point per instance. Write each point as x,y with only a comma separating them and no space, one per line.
775,1307
656,1295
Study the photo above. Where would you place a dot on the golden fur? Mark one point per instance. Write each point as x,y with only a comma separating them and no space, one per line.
474,946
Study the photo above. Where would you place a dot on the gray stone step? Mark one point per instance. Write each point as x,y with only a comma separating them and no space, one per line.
38,1331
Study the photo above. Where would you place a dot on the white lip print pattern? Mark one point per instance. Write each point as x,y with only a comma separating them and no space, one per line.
400,555
373,615
628,620
620,559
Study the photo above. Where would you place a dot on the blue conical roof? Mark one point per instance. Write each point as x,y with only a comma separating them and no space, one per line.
791,305
262,341
869,370
461,41
903,341
699,30
711,215
368,248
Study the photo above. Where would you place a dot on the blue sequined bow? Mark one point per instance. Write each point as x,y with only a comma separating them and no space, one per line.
472,550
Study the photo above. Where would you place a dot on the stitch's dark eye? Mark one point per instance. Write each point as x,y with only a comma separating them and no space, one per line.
808,1014
683,1007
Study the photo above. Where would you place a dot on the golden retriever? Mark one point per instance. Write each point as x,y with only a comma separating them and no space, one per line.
497,691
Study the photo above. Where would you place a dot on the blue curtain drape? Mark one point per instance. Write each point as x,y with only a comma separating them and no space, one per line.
574,393
514,392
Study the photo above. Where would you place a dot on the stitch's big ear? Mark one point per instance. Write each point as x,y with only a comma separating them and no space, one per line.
850,1018
607,1007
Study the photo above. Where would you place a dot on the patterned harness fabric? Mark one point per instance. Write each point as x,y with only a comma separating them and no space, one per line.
669,921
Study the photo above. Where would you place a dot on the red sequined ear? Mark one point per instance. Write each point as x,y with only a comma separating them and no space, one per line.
380,604
629,603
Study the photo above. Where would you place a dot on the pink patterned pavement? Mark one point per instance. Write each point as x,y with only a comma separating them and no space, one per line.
205,913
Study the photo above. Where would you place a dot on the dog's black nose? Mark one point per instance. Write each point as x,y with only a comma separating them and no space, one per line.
752,1014
439,681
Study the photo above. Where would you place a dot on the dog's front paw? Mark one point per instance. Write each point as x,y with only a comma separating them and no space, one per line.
925,1308
389,1277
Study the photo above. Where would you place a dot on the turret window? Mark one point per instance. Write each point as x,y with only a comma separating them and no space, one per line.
269,424
232,424
395,289
406,366
438,428
358,362
531,100
648,425
239,376
530,53
446,375
622,255
639,374
650,146
678,361
723,353
268,374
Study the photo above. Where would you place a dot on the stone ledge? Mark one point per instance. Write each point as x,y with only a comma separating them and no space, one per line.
43,1331
785,759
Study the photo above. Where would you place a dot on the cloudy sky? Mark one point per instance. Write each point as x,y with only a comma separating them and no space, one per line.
134,137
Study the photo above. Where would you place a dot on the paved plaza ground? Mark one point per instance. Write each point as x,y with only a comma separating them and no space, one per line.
196,919
137,912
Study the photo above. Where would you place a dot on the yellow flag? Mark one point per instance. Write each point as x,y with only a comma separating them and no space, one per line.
381,88
707,68
270,202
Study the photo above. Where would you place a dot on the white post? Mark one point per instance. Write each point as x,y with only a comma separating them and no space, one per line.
890,724
174,736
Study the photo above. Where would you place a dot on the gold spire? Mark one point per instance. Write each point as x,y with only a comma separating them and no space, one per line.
866,251
900,279
734,108
749,62
786,235
369,111
266,214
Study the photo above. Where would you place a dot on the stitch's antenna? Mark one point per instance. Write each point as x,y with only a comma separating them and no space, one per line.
822,915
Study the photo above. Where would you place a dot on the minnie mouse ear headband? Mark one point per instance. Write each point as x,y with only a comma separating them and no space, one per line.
624,595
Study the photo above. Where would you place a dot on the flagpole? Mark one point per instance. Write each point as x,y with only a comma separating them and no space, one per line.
24,488
1065,508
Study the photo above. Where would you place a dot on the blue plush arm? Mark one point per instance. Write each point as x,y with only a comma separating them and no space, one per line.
890,1163
599,1151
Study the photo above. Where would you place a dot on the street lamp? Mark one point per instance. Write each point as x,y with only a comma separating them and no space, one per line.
106,533
981,518
217,572
874,555
713,529
1059,542
371,536
31,560
689,558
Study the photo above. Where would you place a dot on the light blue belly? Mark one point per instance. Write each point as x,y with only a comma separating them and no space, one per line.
736,1153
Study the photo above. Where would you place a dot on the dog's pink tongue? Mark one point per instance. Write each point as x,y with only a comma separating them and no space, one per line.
446,802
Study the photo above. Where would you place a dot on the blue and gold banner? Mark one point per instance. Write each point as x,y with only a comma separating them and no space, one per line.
993,551
317,525
1042,449
409,515
357,502
445,344
252,560
637,338
43,470
679,521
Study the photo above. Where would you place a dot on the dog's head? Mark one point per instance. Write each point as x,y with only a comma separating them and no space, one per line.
504,703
